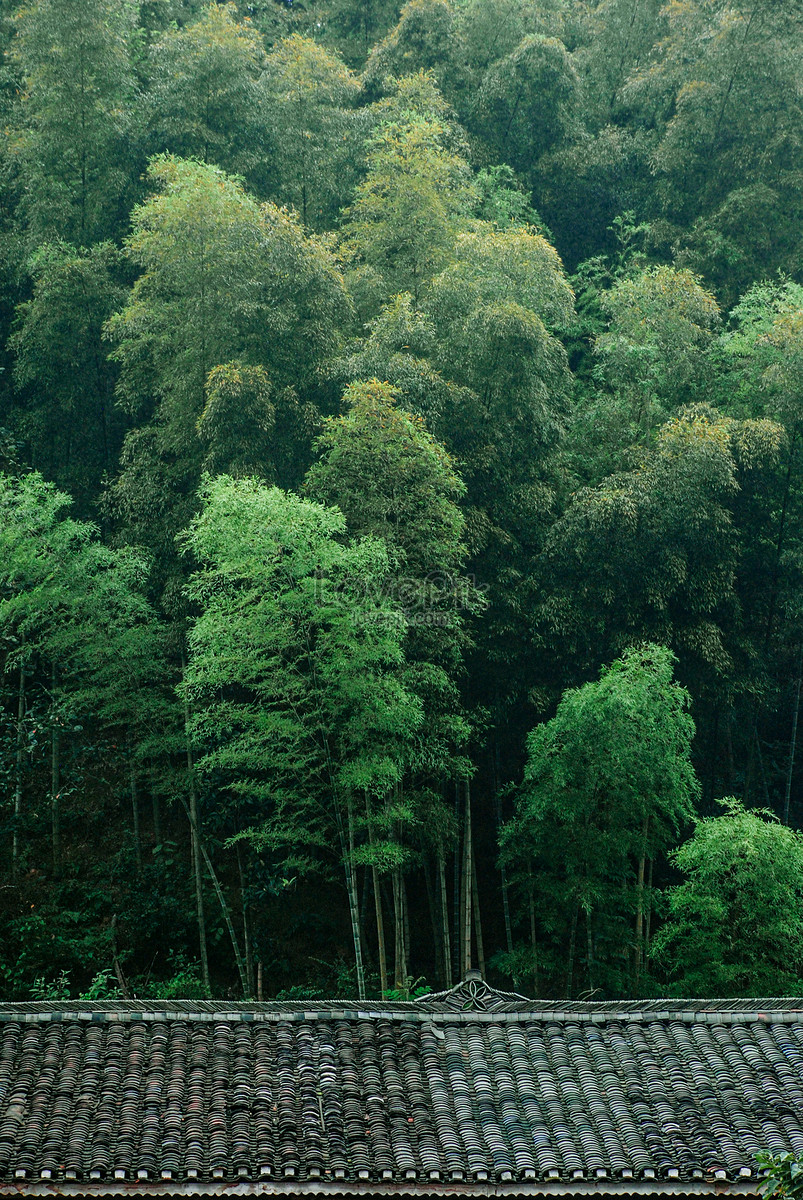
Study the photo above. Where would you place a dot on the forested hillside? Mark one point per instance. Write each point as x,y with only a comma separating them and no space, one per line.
400,497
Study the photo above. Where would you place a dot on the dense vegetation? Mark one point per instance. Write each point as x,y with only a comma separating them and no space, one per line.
400,496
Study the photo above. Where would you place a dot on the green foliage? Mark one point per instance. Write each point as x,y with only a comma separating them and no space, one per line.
406,213
424,39
503,201
221,277
184,983
293,677
321,666
238,420
608,782
203,100
316,136
64,378
761,355
661,323
732,926
491,30
529,482
411,504
224,280
784,1176
72,121
654,549
527,102
413,989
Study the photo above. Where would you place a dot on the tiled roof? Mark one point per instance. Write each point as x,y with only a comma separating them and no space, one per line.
472,1091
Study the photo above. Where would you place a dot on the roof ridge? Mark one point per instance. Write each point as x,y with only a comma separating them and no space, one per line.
470,1001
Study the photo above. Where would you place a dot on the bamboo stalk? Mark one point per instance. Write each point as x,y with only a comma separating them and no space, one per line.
590,951
192,815
202,853
793,740
639,950
18,761
132,787
447,948
475,896
55,783
533,938
249,957
382,953
467,885
572,947
354,906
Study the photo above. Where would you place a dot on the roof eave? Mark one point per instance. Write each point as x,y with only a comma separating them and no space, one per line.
624,1189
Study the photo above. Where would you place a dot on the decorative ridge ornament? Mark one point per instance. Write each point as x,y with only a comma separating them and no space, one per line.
473,994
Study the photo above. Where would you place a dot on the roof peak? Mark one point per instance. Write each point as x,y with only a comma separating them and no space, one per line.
472,999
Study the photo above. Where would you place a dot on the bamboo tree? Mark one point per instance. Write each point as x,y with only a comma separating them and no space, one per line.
197,871
72,117
609,781
315,650
200,849
475,904
466,886
247,947
19,759
382,954
639,945
793,738
444,917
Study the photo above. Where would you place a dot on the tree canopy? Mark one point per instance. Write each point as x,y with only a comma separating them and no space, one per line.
401,494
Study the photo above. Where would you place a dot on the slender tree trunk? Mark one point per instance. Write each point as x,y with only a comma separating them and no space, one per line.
132,784
400,961
381,947
196,848
198,874
572,948
590,952
640,905
19,759
457,892
793,739
506,910
762,772
447,948
382,950
367,888
533,938
648,918
354,903
345,834
502,867
779,542
467,889
249,957
224,908
55,783
729,747
202,854
260,994
122,983
477,917
713,746
405,922
434,917
156,810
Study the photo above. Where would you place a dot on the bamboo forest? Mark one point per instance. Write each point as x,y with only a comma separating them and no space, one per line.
400,498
